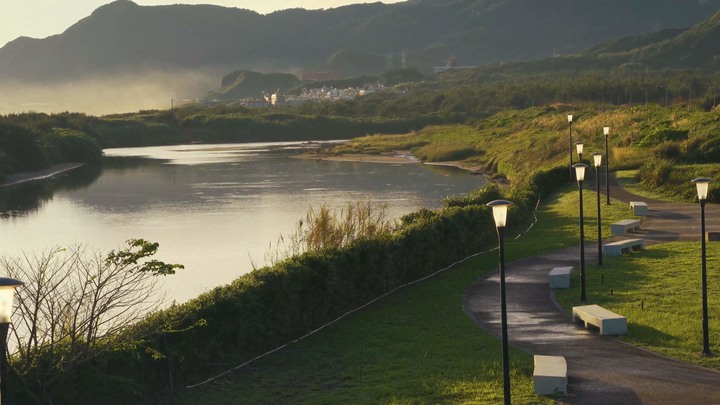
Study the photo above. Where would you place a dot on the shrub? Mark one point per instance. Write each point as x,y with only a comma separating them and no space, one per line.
478,197
654,173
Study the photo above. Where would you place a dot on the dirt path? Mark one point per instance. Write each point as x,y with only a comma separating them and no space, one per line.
601,369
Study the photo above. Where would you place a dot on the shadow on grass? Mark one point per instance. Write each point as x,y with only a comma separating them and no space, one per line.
651,336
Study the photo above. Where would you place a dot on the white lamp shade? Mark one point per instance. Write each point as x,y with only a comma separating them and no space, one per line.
606,130
702,184
579,146
580,171
597,158
500,209
7,296
569,117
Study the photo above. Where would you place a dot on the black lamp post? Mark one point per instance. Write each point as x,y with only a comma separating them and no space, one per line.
702,190
597,159
570,120
606,131
579,146
580,174
500,208
7,295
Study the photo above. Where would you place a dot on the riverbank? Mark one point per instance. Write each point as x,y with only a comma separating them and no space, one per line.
24,177
393,157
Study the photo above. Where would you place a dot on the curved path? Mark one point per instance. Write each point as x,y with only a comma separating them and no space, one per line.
601,369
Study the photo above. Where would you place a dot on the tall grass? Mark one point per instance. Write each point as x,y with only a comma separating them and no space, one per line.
327,228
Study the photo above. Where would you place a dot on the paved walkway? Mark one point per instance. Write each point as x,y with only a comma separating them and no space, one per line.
601,369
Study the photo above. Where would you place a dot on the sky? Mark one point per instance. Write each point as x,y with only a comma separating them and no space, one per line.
42,18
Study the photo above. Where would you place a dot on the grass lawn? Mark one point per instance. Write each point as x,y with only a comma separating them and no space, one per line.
418,346
659,291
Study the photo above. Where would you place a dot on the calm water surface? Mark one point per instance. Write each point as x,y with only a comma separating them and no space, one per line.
214,208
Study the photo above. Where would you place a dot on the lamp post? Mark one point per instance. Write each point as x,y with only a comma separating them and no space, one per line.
579,146
570,119
500,208
597,159
606,131
702,190
580,174
7,295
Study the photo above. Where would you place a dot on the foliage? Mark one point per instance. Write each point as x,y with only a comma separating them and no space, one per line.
478,197
70,145
655,172
327,229
30,142
73,312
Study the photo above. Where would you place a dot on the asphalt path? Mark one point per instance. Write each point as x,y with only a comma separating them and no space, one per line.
601,369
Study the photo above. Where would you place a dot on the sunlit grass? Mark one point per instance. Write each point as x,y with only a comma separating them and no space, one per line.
659,291
416,346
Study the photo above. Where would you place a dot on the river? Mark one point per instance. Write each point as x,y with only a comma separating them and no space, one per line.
217,209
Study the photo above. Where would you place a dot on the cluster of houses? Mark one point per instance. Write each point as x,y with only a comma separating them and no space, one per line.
324,93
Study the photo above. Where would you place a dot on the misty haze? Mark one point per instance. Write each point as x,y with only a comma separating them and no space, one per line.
101,95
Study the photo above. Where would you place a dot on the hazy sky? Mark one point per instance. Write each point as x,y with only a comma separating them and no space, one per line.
42,18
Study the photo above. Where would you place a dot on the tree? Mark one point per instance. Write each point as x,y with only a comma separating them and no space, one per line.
76,305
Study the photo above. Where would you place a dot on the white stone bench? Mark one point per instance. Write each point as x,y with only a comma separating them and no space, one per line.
623,246
639,208
609,322
622,227
550,375
559,277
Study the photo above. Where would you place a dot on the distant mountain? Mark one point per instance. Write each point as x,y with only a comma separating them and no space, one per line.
696,47
126,57
357,39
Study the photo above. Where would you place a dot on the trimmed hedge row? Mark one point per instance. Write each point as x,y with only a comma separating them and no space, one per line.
273,305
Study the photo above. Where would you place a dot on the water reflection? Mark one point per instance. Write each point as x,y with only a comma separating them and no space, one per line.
214,208
26,198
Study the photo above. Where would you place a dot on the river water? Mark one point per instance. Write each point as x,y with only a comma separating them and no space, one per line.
216,209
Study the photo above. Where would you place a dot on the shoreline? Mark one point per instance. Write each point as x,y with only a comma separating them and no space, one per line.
394,157
405,157
24,177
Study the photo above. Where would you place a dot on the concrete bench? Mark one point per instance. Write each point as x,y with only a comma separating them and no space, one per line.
623,246
609,322
550,375
622,227
639,208
559,277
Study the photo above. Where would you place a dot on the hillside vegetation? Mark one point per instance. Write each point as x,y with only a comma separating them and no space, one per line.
668,146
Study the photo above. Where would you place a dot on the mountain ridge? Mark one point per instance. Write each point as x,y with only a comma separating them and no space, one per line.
423,33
